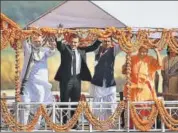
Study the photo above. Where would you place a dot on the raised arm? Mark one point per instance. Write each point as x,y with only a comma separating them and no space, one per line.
60,43
26,46
51,50
93,47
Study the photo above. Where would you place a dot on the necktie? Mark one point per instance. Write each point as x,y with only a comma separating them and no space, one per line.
74,63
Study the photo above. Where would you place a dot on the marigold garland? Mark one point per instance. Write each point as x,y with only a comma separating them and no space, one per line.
9,21
172,42
125,39
68,125
128,83
11,122
124,36
13,34
165,118
143,125
17,71
104,125
166,114
154,43
150,117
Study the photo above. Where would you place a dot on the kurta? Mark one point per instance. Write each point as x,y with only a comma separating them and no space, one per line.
37,87
105,92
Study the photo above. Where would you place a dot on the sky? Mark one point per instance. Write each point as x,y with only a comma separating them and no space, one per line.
154,14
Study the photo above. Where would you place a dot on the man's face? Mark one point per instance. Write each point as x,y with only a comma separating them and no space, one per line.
37,41
74,43
107,42
143,52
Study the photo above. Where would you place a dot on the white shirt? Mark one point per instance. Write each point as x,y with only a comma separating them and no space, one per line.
78,62
78,59
38,87
40,59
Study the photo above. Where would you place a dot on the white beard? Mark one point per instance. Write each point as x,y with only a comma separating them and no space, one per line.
38,54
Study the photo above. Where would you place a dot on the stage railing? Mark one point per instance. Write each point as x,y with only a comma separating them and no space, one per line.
58,110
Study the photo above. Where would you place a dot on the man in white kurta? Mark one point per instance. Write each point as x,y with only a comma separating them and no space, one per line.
37,87
103,86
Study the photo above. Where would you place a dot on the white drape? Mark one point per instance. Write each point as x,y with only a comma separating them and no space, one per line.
103,94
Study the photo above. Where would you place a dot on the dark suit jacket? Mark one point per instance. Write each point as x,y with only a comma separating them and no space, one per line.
64,70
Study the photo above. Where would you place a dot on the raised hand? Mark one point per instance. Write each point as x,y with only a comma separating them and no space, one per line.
59,33
52,45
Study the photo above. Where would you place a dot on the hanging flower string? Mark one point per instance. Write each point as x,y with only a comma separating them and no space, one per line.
83,106
124,36
129,42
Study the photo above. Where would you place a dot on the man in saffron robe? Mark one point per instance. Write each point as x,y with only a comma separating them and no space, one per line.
143,68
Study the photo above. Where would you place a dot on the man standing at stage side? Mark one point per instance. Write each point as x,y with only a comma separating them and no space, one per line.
34,76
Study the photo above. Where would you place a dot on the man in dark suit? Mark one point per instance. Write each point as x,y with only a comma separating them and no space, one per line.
73,69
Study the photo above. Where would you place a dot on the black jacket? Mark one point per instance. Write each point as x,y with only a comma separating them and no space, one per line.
104,69
64,70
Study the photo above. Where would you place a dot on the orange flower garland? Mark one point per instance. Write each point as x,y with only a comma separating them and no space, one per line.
9,21
124,36
13,34
143,125
17,72
13,124
165,118
105,124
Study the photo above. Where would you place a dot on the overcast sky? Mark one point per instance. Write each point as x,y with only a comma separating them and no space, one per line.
163,14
